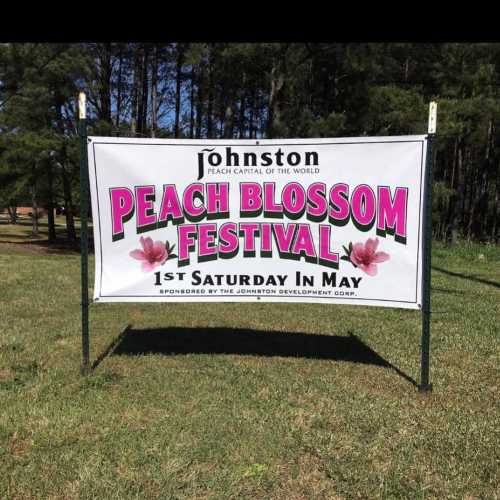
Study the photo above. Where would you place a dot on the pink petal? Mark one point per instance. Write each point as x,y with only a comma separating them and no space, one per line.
148,266
159,250
371,245
380,257
138,254
370,269
357,253
147,244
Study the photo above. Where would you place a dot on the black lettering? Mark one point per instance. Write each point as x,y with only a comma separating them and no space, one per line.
196,278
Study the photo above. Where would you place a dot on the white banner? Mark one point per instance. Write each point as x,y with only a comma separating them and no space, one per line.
298,220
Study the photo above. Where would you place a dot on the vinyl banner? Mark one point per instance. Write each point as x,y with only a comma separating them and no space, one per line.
300,220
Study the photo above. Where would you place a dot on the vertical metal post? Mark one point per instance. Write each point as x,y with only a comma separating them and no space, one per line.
84,248
425,386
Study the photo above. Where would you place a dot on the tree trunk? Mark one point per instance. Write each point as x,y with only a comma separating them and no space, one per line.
471,188
12,210
485,185
496,208
262,119
241,117
199,102
178,87
119,85
34,207
471,212
273,128
457,199
471,207
252,114
143,109
68,204
135,92
449,213
50,204
229,120
105,83
191,101
210,94
154,83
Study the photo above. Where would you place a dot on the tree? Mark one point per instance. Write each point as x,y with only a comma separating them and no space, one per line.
244,90
38,121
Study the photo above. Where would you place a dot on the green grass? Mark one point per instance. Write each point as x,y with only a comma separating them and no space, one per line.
22,232
202,415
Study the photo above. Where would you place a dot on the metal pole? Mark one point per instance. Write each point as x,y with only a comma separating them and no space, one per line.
425,386
84,206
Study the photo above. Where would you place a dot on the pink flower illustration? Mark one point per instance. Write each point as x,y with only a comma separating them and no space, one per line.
152,254
366,256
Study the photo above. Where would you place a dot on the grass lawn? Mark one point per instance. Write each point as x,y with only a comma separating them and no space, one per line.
247,400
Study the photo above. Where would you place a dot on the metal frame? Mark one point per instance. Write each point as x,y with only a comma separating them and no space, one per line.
426,273
84,241
424,386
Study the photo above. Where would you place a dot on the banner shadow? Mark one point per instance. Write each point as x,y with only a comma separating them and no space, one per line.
181,340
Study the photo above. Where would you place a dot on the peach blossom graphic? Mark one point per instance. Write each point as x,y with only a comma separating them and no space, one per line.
365,256
152,254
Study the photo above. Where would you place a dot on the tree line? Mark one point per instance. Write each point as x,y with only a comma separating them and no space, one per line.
252,90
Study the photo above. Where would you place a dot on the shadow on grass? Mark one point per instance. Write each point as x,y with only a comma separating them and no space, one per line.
447,290
175,341
469,277
22,222
60,246
27,237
